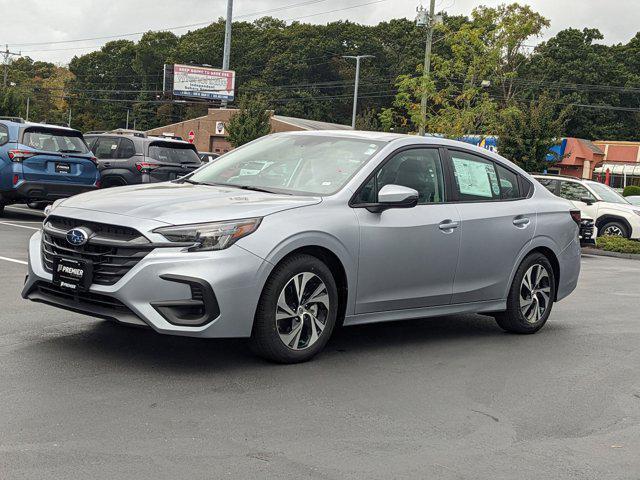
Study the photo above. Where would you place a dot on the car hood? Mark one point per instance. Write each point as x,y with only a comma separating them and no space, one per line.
183,203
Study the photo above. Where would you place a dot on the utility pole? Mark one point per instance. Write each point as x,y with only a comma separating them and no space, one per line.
6,54
127,127
430,22
355,90
69,122
28,100
226,56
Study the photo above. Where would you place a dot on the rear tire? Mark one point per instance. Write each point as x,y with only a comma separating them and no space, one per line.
37,205
297,311
1,209
112,182
613,229
531,296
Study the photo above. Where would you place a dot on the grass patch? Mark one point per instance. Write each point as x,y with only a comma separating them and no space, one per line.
618,244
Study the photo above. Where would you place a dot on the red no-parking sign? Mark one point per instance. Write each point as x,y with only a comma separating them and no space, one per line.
192,136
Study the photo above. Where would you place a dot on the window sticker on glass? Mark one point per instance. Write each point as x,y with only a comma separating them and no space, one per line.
475,178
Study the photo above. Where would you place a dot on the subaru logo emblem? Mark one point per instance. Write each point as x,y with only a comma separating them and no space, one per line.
77,237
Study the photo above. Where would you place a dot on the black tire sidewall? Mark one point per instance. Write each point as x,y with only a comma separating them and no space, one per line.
265,340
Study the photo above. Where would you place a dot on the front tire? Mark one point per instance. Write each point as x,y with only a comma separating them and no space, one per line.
613,229
297,311
531,296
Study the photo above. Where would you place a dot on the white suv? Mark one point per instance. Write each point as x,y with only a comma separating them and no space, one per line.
613,214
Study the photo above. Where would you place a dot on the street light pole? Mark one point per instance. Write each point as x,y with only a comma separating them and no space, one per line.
355,90
6,54
226,56
430,24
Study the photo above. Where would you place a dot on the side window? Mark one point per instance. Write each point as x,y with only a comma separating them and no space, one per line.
127,149
420,169
106,148
475,178
550,184
509,185
574,191
4,134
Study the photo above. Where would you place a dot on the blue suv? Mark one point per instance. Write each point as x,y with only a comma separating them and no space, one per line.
40,163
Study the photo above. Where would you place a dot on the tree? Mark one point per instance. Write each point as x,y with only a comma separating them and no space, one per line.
527,133
251,122
473,75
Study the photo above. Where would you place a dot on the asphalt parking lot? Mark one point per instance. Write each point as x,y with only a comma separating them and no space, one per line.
439,398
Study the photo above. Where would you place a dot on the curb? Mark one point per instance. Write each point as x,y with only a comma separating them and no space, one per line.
602,253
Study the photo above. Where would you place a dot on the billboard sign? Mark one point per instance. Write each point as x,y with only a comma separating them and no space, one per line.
203,82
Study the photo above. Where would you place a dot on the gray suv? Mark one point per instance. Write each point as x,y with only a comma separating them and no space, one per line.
333,228
129,157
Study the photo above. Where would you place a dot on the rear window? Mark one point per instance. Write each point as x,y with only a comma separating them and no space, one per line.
50,140
4,134
173,153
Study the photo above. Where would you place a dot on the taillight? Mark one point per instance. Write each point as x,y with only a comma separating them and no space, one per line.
20,155
16,179
145,167
94,160
576,216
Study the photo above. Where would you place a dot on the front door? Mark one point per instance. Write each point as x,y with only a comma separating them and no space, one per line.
407,257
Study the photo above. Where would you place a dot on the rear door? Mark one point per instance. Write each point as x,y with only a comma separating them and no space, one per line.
170,160
56,155
497,222
575,192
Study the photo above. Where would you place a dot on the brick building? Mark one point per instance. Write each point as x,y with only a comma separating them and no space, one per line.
211,134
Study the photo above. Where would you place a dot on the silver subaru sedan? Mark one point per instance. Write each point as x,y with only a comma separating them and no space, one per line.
286,238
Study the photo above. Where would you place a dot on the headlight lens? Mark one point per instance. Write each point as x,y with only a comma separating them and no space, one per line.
210,236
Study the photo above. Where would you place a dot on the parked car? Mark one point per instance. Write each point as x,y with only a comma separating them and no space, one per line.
588,232
129,157
613,214
356,228
208,157
633,200
41,163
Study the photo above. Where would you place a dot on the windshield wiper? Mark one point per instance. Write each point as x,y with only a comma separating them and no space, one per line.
249,187
70,151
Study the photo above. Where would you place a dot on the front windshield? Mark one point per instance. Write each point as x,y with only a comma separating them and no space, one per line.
291,163
606,193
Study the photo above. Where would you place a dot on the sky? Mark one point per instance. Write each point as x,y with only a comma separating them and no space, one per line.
46,21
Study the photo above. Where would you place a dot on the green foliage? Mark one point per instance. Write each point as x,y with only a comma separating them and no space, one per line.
631,190
528,132
618,244
251,122
298,68
368,121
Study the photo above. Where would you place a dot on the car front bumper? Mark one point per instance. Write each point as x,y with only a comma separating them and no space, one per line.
159,290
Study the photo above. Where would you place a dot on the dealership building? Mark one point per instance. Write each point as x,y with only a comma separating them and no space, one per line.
210,133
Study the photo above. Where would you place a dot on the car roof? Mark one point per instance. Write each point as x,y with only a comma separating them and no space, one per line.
558,177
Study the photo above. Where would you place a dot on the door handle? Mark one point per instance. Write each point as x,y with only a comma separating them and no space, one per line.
448,225
521,221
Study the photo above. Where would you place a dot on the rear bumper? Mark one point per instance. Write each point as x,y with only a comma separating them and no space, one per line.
44,191
569,261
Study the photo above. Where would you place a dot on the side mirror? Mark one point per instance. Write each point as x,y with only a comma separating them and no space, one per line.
395,196
588,200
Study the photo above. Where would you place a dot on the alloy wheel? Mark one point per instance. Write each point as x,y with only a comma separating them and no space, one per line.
613,231
535,293
302,311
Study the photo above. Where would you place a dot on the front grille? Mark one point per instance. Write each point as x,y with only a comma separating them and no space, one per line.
79,298
586,229
114,250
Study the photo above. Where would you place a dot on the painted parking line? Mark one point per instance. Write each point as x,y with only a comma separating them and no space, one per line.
13,260
19,226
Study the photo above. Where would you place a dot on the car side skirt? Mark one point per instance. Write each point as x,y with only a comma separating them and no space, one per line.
426,312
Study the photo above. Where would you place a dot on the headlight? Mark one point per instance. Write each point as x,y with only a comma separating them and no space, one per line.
49,208
210,236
